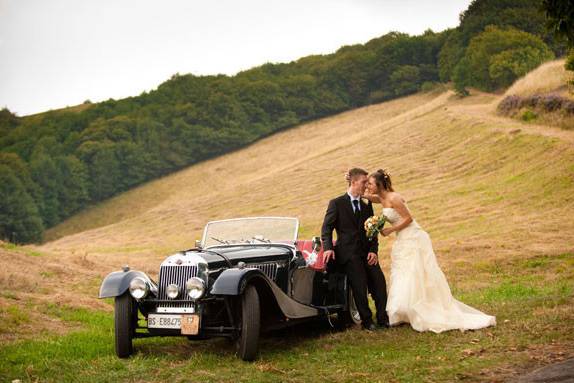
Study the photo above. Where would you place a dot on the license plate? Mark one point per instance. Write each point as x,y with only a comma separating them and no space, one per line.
164,321
190,324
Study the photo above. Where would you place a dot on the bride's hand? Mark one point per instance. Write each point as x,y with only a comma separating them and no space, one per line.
386,232
372,197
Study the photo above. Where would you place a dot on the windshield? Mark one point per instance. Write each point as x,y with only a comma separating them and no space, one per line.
250,230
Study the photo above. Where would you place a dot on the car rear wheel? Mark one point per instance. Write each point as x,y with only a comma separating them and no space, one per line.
248,339
125,318
350,316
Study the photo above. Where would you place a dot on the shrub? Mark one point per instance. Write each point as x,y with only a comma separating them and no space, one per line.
568,107
528,115
509,103
532,101
550,102
546,103
428,86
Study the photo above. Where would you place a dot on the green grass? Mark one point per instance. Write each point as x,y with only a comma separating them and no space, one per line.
20,249
531,312
528,115
14,316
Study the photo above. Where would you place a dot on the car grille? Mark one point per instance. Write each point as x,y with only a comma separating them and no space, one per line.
269,269
180,274
177,275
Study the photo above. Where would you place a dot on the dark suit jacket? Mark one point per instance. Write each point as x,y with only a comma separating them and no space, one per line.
352,239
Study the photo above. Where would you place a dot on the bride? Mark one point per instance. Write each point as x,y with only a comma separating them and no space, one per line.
419,293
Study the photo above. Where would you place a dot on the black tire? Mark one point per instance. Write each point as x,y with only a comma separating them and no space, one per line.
250,322
125,318
351,316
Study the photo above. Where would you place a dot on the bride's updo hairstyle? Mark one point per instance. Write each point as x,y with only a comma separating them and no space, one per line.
383,180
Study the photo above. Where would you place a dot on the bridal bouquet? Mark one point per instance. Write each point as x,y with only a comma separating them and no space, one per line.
373,225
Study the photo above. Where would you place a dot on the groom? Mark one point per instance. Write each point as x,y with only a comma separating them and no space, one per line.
354,253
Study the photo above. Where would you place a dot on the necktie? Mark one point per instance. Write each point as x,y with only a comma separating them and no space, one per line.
357,212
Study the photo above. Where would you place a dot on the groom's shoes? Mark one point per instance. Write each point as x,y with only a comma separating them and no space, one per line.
369,327
383,322
383,325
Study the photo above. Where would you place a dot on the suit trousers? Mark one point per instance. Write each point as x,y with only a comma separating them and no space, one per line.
362,278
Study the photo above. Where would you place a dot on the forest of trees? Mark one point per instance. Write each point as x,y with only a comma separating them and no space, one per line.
56,163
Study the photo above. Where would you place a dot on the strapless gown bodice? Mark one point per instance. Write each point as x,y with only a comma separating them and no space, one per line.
391,215
419,293
394,218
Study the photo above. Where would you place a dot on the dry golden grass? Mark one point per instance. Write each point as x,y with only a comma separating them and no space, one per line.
479,183
550,77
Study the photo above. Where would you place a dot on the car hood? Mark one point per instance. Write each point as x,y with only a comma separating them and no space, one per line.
243,253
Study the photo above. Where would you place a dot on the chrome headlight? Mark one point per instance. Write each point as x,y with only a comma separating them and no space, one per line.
195,288
139,288
172,291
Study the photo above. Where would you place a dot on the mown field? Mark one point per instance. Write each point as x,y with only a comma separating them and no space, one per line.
495,194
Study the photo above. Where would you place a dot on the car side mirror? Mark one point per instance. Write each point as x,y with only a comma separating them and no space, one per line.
316,244
197,244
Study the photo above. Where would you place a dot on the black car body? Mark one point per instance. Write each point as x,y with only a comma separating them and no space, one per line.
246,275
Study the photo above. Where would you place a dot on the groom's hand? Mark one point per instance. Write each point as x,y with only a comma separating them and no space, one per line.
372,259
328,254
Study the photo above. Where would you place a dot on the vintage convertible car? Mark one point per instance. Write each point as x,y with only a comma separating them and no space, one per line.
245,276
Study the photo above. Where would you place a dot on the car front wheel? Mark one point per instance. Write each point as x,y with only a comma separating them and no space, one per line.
249,325
125,319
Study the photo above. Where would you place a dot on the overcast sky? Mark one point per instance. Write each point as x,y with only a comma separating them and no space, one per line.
55,53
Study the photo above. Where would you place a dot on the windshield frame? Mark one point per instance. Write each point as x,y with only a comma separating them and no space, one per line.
205,229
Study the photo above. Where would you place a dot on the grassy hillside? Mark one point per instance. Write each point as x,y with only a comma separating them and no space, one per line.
544,96
495,194
550,77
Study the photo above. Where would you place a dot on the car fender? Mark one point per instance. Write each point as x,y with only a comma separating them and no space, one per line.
118,282
233,282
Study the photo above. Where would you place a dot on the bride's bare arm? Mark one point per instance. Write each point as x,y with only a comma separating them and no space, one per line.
398,204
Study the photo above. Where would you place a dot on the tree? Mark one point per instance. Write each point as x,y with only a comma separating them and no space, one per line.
8,120
511,64
570,61
47,176
132,163
405,80
73,188
503,53
524,15
104,173
560,18
450,55
20,221
461,77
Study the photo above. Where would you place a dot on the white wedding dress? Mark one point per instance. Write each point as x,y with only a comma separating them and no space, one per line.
419,293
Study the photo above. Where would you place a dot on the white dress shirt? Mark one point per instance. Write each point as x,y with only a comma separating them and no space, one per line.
358,198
